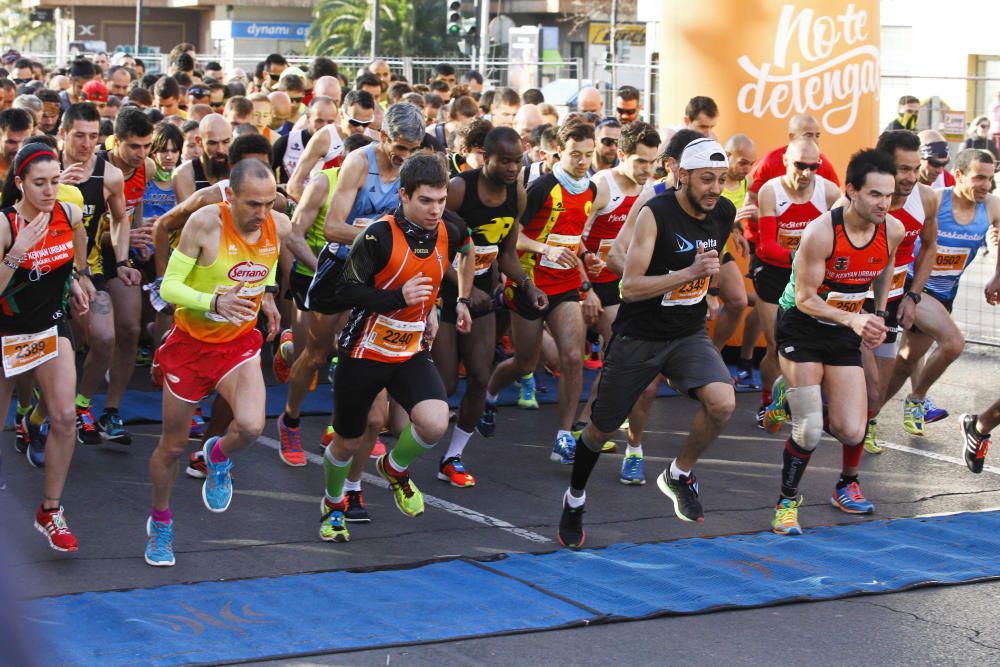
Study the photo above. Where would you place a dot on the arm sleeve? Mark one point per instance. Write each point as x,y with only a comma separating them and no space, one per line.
767,243
175,291
368,256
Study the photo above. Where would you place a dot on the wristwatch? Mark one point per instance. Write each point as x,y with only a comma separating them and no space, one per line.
125,262
586,286
466,300
884,314
916,296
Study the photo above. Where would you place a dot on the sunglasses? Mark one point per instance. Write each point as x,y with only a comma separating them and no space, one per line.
807,166
274,77
982,125
358,123
937,163
22,82
626,112
609,141
296,100
216,105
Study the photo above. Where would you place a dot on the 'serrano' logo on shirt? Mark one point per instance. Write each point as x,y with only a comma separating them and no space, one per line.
248,272
831,84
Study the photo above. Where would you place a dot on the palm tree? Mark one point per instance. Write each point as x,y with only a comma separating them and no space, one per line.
409,28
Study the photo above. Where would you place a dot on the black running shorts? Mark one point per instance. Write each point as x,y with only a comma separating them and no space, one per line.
804,339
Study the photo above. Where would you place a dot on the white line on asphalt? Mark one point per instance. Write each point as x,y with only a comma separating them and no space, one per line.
433,501
934,455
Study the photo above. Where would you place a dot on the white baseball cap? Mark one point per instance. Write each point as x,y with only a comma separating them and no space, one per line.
704,153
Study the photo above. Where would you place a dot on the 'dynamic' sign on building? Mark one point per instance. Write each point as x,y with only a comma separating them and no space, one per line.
763,61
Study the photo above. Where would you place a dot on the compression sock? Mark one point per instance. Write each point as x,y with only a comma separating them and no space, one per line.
852,454
583,465
409,447
794,461
335,472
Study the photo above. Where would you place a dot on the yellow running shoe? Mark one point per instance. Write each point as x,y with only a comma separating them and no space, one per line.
871,443
608,446
408,498
786,517
913,417
332,527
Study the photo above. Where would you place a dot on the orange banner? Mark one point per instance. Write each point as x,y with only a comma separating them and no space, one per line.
763,62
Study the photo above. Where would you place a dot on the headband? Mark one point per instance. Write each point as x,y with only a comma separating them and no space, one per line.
25,161
936,149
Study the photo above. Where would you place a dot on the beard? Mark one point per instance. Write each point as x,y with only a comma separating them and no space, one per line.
695,203
215,171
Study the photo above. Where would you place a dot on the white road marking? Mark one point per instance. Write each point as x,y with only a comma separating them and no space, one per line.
433,501
934,455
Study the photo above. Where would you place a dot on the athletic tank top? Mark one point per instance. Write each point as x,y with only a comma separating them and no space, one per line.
294,147
238,261
200,180
850,270
33,299
134,188
396,336
608,223
315,238
533,172
739,195
489,226
793,217
374,200
157,201
912,215
335,153
957,246
94,203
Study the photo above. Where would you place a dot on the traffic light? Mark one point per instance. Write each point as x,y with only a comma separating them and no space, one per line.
454,18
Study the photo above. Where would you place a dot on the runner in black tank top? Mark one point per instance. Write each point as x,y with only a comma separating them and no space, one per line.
200,180
490,201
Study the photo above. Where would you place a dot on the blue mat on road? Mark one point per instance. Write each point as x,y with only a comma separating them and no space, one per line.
211,622
146,406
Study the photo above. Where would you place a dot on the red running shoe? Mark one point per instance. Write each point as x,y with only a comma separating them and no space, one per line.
52,524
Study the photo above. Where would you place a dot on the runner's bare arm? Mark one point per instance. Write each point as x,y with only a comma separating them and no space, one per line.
183,181
456,193
894,233
924,261
832,194
636,285
619,249
317,147
600,201
992,289
114,191
810,268
352,176
304,217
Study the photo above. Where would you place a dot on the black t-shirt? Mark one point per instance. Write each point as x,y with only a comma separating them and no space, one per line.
680,312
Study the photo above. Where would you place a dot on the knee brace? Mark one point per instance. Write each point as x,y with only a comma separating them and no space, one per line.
806,405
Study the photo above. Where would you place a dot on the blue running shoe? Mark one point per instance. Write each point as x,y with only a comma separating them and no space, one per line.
850,499
564,449
36,444
744,380
487,425
526,398
160,545
197,425
933,413
113,427
632,470
217,490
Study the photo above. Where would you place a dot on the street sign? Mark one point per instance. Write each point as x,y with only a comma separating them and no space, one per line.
269,30
43,14
953,125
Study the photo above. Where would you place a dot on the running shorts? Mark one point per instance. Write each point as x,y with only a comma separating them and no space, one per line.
769,281
804,339
192,368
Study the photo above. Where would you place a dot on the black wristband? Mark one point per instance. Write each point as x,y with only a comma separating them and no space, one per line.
270,289
884,314
466,300
125,262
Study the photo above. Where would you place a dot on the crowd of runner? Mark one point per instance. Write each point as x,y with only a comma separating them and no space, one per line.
398,236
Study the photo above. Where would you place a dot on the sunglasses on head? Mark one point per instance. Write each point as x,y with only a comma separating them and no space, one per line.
807,166
358,123
934,162
609,141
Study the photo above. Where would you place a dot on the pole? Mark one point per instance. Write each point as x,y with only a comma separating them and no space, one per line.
376,28
138,27
484,34
613,46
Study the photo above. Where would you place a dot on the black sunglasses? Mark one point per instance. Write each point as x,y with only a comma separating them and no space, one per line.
807,166
274,77
609,141
296,100
216,105
937,163
627,112
22,82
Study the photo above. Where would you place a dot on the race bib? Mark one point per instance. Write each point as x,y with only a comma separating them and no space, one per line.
604,249
560,241
950,261
255,292
26,351
395,338
485,255
687,294
898,283
789,238
849,302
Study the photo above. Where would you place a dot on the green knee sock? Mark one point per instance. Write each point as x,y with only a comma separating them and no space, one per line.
82,402
335,472
408,449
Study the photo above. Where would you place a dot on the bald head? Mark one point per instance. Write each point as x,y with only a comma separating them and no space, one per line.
281,108
742,154
527,118
738,143
327,86
802,149
214,124
803,126
589,99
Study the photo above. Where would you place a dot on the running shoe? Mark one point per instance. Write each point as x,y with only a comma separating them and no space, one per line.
217,490
378,449
355,511
408,497
333,524
577,433
564,449
786,517
684,494
913,417
52,524
144,355
776,413
86,430
21,437
933,413
744,379
331,370
291,451
976,445
278,363
761,413
487,425
632,470
112,426
850,499
197,425
871,439
196,468
35,451
453,472
526,397
328,436
160,545
571,533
